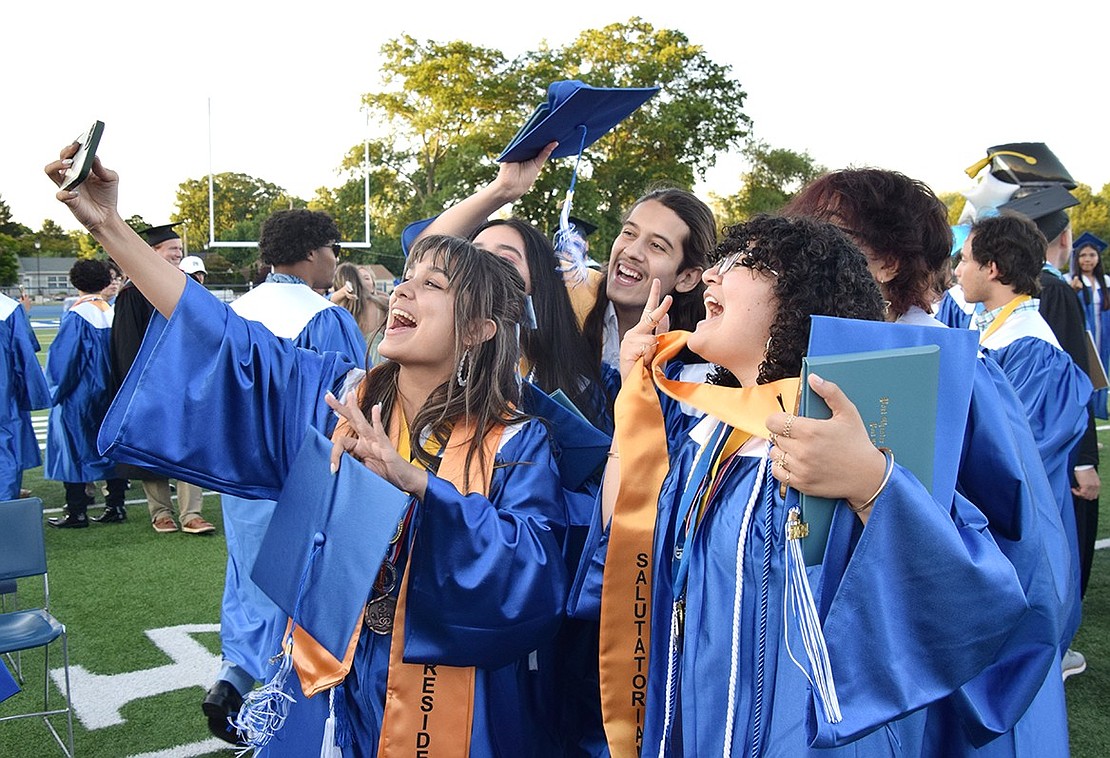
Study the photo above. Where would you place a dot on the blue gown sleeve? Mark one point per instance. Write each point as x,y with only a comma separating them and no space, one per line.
488,583
926,591
334,330
29,381
236,423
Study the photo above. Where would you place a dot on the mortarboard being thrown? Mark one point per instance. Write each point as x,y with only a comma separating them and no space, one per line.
474,567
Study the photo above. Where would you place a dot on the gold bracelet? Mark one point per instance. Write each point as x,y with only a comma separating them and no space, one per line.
889,455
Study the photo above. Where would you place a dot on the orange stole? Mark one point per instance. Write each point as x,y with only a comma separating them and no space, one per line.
627,582
428,707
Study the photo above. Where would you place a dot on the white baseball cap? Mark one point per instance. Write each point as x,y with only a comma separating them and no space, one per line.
191,264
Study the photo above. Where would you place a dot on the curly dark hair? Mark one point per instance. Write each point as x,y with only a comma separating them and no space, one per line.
894,218
289,236
687,308
1015,245
820,273
90,276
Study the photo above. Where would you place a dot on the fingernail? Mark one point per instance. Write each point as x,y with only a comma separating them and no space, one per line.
67,162
816,379
334,468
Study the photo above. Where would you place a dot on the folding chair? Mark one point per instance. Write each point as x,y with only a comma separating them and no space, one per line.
23,555
9,597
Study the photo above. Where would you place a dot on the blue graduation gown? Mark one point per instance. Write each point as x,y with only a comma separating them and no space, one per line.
78,368
488,584
1098,324
941,621
23,389
251,624
1055,394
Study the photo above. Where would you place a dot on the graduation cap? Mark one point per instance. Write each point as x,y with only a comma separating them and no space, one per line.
580,446
1086,239
328,535
1024,163
575,115
412,231
583,226
156,235
1045,207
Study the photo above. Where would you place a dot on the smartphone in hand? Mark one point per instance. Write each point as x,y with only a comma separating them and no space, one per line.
83,160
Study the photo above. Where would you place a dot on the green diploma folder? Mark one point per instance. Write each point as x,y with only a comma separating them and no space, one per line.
895,392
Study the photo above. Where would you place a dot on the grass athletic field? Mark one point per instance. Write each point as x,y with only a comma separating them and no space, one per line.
142,611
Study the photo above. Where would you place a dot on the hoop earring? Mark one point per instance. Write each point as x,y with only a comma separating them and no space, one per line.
465,365
767,347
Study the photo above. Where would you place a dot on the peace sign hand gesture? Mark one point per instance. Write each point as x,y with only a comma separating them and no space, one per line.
639,341
370,445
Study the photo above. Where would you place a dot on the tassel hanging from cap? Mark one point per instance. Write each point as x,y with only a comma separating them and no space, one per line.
265,709
570,243
801,607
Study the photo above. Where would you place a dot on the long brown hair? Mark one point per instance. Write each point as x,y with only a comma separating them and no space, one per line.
485,287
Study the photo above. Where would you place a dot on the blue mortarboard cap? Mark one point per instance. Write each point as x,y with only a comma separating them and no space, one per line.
351,517
412,231
1086,239
570,106
580,446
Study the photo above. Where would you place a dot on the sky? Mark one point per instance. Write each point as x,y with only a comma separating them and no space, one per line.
246,86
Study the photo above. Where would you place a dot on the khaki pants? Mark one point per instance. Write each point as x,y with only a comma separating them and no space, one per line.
189,499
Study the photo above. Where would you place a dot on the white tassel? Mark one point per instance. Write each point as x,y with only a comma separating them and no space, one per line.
265,709
328,748
799,603
570,247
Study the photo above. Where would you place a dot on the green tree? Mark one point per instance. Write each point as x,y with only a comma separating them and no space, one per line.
9,260
449,108
774,176
7,225
240,204
954,202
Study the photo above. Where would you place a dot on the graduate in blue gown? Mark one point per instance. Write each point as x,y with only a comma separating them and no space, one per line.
917,599
78,368
1093,288
1000,265
485,572
22,389
300,246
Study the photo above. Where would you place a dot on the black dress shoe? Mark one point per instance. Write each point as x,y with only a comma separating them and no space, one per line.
222,702
111,516
70,522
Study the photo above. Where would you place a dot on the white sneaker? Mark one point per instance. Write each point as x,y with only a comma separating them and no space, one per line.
1073,663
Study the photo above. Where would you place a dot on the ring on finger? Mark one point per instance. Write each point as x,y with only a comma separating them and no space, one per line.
788,426
774,439
782,461
786,479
